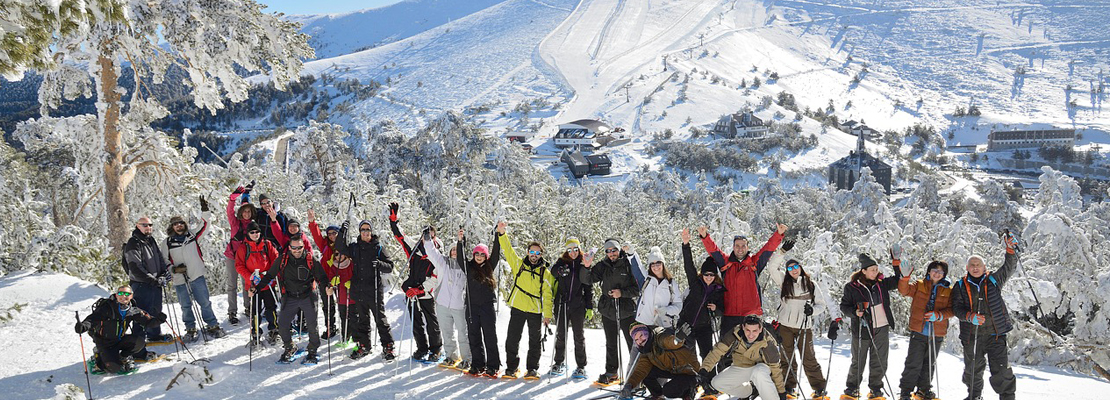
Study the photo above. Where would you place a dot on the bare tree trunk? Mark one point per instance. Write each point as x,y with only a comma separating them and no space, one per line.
118,220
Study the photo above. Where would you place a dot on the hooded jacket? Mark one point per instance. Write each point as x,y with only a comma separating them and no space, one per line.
859,290
238,227
478,292
665,352
449,283
370,267
694,310
609,275
254,257
185,249
791,312
984,296
764,350
660,299
420,267
142,259
740,272
533,285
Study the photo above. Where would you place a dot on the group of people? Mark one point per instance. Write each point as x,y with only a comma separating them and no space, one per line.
711,334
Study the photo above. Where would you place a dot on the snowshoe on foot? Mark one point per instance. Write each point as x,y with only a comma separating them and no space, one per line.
287,355
905,396
558,370
232,319
792,394
463,365
491,373
925,395
311,359
475,371
160,340
190,336
511,373
579,373
449,362
850,394
128,367
876,396
388,354
359,353
608,379
819,395
273,337
215,332
531,375
432,358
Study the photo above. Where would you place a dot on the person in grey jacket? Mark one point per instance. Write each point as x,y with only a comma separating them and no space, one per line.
148,272
181,250
449,285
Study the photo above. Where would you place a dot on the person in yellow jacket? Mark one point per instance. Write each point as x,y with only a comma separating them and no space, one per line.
755,362
532,301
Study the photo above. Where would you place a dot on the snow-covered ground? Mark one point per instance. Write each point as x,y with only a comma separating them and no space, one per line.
42,352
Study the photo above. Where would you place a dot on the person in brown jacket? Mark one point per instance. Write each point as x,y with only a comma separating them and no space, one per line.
929,314
755,362
662,355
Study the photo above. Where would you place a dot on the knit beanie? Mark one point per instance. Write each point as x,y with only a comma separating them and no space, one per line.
709,265
573,242
865,261
654,256
612,244
481,248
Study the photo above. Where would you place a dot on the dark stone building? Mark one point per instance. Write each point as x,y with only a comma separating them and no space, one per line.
846,171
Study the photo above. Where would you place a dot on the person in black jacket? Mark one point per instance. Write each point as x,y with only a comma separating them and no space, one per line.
705,297
296,271
866,300
481,313
573,302
369,262
107,325
148,272
425,323
617,303
984,322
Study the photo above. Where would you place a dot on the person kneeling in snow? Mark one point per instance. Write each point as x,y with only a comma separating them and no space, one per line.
755,362
663,355
296,271
110,319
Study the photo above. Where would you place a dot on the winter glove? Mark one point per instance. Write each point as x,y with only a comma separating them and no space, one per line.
808,310
932,316
976,319
347,284
833,327
787,245
589,314
82,327
1010,242
683,332
393,211
413,292
706,380
159,316
249,187
237,191
335,281
203,204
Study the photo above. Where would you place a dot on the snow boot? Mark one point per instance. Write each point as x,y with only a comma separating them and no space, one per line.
608,379
792,394
491,373
925,395
420,356
287,355
820,394
432,358
311,358
360,352
905,395
558,370
190,335
449,362
273,337
215,331
511,373
475,371
531,375
128,367
876,396
463,365
579,373
387,353
850,394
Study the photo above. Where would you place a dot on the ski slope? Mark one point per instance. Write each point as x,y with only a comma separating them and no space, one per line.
43,353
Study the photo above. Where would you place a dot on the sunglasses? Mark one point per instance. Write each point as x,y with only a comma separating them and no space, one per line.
793,267
178,223
535,252
572,249
937,270
254,232
364,230
122,293
709,274
612,250
146,225
295,247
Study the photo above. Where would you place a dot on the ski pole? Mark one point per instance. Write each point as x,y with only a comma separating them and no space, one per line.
84,361
253,336
620,360
327,320
177,339
166,296
193,305
933,356
404,322
1017,248
832,346
974,355
889,388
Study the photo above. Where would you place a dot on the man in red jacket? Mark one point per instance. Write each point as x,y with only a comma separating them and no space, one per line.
740,271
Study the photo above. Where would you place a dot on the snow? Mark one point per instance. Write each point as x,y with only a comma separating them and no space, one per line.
37,368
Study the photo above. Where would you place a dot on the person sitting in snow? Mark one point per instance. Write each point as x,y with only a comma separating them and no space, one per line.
108,326
662,356
756,362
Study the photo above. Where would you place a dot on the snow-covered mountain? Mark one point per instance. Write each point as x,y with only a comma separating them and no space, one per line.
36,368
649,66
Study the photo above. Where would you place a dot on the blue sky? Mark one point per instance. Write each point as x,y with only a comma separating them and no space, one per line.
322,7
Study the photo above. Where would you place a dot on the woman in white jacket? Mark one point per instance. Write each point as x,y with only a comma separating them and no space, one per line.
449,286
802,299
660,298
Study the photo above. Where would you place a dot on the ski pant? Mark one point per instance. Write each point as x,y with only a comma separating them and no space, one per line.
349,317
804,340
306,307
233,285
148,298
877,346
197,291
327,308
575,320
679,386
517,320
701,336
738,381
371,313
482,329
112,355
264,304
991,347
918,372
450,322
425,326
613,330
